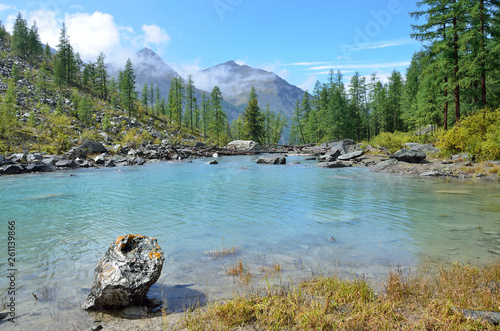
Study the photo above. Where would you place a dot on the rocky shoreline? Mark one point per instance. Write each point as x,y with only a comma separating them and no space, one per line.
414,160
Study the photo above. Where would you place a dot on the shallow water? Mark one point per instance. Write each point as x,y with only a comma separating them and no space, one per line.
307,219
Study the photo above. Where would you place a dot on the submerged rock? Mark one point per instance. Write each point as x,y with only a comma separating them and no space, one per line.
335,164
124,275
271,160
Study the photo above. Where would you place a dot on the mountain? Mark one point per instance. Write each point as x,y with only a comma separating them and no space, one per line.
236,81
149,68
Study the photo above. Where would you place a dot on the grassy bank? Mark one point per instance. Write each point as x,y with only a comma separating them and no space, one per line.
426,300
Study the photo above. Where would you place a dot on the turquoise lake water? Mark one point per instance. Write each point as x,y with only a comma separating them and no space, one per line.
309,220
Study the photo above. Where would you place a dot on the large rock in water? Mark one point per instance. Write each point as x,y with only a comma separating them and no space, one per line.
244,146
126,272
410,155
271,160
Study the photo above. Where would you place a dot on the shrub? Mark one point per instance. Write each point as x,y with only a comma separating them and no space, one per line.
478,135
393,141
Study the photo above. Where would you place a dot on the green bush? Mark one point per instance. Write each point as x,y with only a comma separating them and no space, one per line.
477,135
393,141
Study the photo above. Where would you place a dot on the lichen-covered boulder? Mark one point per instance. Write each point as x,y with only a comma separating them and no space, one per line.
124,275
244,146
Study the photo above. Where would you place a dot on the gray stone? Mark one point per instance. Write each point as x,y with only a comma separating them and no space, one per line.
432,174
18,158
426,148
462,157
138,161
410,156
34,158
271,160
66,164
90,147
100,159
336,164
124,275
200,145
39,167
385,166
329,157
244,146
213,162
10,169
110,164
350,156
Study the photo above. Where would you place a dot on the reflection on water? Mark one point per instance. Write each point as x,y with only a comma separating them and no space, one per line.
307,219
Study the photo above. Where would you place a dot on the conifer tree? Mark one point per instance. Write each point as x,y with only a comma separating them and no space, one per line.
35,47
101,81
3,34
205,114
253,119
190,101
218,123
20,37
128,93
145,95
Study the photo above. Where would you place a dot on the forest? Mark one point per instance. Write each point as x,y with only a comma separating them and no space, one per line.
454,76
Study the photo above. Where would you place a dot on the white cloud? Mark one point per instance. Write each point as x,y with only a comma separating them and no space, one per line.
48,26
153,34
91,34
363,66
5,7
378,44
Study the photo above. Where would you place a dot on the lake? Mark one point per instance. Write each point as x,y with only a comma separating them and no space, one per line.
308,220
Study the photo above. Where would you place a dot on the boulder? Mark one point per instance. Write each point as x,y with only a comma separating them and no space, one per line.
340,148
213,162
18,158
426,148
124,275
100,159
329,157
410,155
385,166
138,161
244,146
34,158
271,160
39,167
10,169
350,156
66,164
92,147
200,145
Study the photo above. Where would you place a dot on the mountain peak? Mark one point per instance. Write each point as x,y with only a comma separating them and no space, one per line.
147,53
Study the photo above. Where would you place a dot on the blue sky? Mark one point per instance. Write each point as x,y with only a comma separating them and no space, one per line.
298,40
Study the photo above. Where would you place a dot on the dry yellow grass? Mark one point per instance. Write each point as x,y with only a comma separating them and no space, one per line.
423,301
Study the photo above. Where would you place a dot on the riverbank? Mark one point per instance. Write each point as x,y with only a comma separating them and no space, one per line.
93,154
459,297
